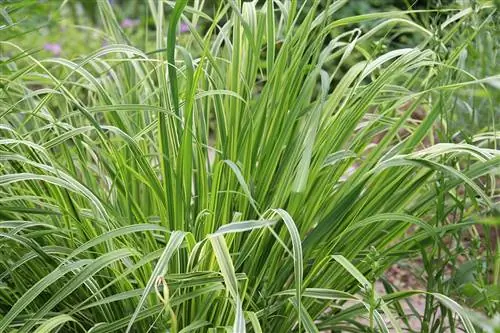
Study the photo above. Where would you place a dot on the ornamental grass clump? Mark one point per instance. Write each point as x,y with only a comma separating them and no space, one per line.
258,176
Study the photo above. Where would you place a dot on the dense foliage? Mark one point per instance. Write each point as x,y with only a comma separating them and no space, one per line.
258,171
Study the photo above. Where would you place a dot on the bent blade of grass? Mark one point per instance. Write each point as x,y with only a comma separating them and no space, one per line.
400,161
51,324
194,326
243,226
227,269
459,310
348,266
337,157
303,168
297,256
160,269
71,185
243,184
113,234
395,217
254,320
321,293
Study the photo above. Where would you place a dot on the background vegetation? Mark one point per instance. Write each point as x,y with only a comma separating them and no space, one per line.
206,166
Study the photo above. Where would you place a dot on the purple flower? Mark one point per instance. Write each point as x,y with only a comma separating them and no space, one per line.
129,23
53,48
184,28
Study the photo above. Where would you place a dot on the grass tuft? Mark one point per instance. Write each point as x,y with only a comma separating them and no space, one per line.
258,173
